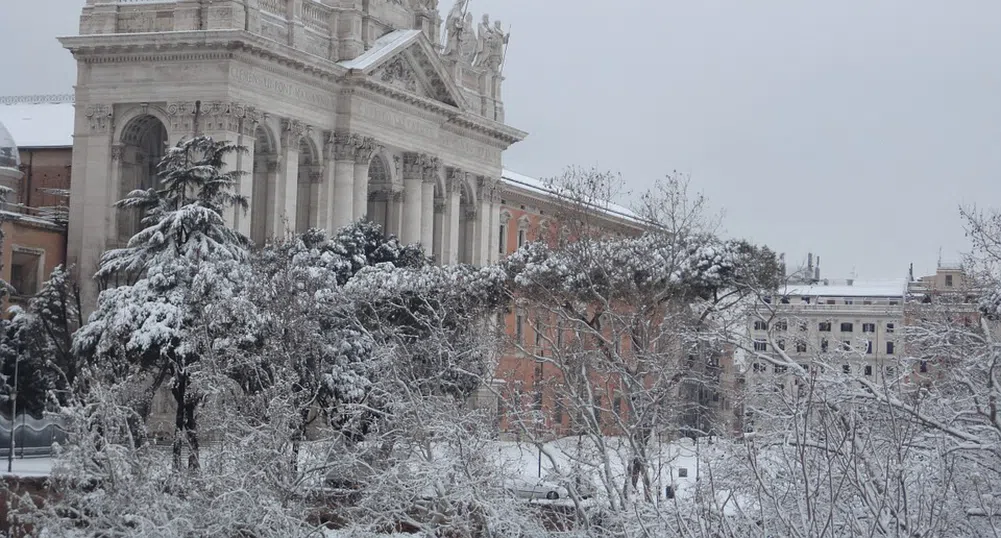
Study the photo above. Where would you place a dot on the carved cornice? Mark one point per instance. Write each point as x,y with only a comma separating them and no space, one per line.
189,45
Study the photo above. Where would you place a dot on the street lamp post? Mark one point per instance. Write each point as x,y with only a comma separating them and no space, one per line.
13,418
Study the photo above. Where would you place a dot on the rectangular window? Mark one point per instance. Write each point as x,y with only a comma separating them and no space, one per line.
521,238
617,404
948,281
781,369
868,347
558,413
804,327
846,345
889,348
758,367
502,239
519,328
800,347
847,327
867,302
559,334
760,326
782,325
784,300
806,300
846,368
824,327
890,371
781,344
831,301
868,327
924,367
538,338
823,345
849,301
889,328
868,369
24,272
760,346
894,303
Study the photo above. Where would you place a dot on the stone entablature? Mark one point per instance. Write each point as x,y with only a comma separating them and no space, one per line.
323,32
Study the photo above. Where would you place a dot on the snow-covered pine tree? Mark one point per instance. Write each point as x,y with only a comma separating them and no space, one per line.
39,336
184,263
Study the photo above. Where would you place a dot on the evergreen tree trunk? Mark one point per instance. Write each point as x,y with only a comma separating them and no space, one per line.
191,430
178,392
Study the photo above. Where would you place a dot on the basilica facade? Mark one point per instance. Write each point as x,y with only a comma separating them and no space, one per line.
349,109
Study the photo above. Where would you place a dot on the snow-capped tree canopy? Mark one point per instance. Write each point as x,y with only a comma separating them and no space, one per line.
655,264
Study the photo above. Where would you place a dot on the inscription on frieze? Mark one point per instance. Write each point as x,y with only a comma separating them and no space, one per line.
396,120
284,88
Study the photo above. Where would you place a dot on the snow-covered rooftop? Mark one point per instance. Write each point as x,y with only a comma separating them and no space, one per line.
539,186
382,48
44,121
873,288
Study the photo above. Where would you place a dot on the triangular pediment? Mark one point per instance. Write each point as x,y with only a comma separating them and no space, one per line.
406,61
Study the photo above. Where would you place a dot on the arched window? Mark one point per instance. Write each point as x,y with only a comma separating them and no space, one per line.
143,144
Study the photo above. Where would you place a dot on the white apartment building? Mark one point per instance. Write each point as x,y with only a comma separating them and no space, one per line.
857,326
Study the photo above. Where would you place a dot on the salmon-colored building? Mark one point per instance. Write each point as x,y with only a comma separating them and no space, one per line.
35,167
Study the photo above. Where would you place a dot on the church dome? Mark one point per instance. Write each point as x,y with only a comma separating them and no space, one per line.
9,157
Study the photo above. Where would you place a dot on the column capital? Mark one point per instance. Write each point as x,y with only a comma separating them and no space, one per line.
117,152
488,189
343,146
365,147
292,131
432,167
413,165
439,206
454,180
101,117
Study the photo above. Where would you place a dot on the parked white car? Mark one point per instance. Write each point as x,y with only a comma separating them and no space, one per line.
524,488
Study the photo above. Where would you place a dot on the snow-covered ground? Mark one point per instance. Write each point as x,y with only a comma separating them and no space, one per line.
28,467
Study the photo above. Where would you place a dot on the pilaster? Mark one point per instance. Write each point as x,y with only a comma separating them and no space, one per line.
413,179
432,168
451,217
288,182
345,146
363,157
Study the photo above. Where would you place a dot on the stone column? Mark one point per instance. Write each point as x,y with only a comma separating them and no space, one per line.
438,233
288,180
363,157
413,179
495,210
325,190
344,180
451,218
484,227
114,186
431,171
273,179
394,210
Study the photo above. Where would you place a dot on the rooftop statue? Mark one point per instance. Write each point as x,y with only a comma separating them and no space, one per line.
491,42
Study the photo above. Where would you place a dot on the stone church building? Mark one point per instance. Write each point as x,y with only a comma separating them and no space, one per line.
349,109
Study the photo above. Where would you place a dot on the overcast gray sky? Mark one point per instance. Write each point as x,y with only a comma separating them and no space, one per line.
852,128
